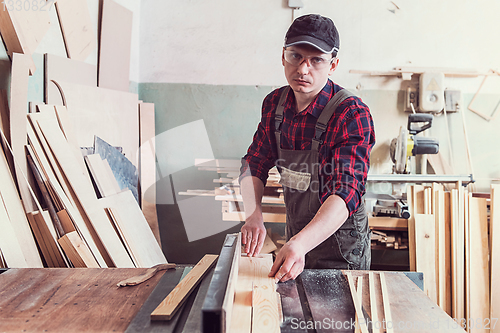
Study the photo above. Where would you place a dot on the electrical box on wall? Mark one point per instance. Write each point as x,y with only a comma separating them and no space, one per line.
413,96
431,92
295,4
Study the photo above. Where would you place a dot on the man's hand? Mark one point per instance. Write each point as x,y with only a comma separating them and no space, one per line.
253,234
289,262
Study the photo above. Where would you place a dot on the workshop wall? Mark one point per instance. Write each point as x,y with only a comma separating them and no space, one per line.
208,59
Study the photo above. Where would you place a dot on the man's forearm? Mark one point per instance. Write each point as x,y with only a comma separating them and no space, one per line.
253,232
252,190
329,218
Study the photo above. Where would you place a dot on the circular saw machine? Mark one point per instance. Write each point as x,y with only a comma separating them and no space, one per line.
407,144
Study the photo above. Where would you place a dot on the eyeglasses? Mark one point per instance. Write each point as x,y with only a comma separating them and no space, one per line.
296,59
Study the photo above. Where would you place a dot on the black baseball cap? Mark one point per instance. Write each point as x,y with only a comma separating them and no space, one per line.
315,30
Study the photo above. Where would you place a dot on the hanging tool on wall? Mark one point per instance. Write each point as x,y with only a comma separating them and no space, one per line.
407,144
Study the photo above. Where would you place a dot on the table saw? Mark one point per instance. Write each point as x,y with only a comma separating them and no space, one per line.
73,300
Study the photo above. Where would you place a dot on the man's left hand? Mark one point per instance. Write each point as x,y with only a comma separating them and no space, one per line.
289,262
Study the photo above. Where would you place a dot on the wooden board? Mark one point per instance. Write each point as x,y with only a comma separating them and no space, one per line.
135,229
167,308
22,30
447,256
82,187
454,202
411,227
77,251
77,28
62,69
105,184
16,213
265,315
114,46
70,300
241,320
357,300
495,252
9,243
18,111
479,279
147,166
425,242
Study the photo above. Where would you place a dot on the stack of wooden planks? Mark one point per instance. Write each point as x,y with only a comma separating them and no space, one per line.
51,215
448,242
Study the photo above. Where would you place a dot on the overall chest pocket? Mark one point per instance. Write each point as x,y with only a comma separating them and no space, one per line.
295,180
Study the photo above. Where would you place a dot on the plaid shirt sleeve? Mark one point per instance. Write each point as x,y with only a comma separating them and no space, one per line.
345,155
261,154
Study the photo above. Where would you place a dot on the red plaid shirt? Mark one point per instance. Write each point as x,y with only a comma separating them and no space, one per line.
344,156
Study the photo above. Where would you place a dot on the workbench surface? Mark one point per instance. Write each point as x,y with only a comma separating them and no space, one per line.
75,300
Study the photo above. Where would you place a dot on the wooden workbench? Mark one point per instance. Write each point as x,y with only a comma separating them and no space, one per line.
76,300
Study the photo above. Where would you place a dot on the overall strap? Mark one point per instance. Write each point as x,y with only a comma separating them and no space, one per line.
325,116
278,116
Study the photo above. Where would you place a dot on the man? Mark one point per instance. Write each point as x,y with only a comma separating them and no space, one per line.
319,136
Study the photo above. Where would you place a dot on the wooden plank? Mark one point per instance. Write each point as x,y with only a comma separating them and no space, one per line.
168,307
135,229
62,69
425,241
227,305
114,46
77,251
59,185
447,254
357,302
147,166
359,295
460,295
4,114
41,239
411,227
241,319
77,28
454,251
105,184
479,280
265,315
82,187
268,217
91,110
16,213
495,252
18,111
386,301
9,243
374,303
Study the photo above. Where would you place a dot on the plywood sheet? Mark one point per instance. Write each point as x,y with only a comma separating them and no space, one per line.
92,110
76,27
114,46
100,175
10,245
82,187
62,69
425,241
147,166
135,229
21,29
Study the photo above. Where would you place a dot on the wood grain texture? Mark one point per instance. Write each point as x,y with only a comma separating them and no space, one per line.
77,251
479,279
100,175
77,28
374,303
135,230
70,300
241,320
265,316
425,241
411,227
357,303
82,187
168,307
387,304
114,47
135,280
11,247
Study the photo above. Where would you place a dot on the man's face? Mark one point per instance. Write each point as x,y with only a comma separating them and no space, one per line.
308,77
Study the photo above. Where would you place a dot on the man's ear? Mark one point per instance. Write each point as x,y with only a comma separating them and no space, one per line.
333,66
283,57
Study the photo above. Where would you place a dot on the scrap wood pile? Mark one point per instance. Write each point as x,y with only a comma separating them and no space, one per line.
57,207
453,241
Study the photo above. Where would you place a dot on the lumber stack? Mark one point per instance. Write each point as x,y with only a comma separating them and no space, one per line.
57,208
448,242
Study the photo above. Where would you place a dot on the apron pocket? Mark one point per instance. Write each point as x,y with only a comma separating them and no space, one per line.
295,180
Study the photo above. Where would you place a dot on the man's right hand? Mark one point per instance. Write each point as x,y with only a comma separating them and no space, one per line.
253,234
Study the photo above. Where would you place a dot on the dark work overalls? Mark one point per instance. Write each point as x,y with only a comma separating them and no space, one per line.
349,246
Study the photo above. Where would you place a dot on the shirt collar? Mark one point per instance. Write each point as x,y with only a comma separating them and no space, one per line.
317,105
